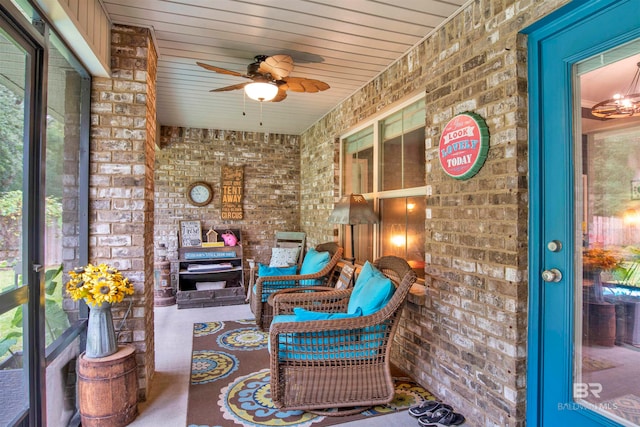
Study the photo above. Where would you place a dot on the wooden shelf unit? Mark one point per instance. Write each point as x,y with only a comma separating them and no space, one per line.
199,279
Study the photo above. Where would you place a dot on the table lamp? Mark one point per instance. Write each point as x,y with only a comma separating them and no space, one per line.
353,209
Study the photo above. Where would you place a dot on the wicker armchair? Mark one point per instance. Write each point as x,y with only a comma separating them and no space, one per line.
265,286
338,363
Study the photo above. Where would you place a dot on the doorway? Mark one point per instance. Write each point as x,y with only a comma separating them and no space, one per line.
583,235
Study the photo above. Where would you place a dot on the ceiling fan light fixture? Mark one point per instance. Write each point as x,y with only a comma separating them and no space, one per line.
261,91
621,105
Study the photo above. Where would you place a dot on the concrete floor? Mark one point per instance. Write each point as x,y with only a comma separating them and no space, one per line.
166,405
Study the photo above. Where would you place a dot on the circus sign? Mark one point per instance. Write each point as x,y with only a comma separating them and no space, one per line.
464,145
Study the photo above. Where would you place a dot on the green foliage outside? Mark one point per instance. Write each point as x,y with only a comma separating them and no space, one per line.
11,207
11,137
628,274
56,320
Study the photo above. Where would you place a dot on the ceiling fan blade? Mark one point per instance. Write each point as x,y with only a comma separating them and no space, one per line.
219,70
301,84
279,66
282,94
228,88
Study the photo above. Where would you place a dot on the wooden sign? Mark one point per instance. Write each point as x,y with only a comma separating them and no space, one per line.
232,183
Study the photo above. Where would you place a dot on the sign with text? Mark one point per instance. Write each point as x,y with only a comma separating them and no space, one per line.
464,145
232,183
190,234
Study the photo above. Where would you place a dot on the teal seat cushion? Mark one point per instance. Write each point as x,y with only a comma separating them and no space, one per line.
269,287
313,262
327,345
281,318
302,315
372,291
266,270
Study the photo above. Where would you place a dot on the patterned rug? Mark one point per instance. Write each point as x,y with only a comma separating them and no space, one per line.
230,382
627,407
589,364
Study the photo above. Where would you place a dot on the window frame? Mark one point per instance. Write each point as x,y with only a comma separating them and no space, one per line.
376,195
34,38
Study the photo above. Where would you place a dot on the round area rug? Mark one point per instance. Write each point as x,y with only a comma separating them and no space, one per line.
243,339
247,401
407,395
208,365
208,328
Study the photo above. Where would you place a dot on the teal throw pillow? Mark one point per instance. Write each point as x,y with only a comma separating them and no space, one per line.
265,270
314,261
372,291
302,315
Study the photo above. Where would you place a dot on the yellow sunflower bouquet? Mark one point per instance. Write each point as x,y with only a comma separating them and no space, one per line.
98,284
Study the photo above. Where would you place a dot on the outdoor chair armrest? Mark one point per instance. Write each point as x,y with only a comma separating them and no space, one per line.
327,300
299,289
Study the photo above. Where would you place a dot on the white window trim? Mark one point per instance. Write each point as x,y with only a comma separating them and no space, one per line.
376,195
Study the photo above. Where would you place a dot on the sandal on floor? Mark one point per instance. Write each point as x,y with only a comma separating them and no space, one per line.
426,407
441,417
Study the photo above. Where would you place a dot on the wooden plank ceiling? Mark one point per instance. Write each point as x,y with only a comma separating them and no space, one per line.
343,43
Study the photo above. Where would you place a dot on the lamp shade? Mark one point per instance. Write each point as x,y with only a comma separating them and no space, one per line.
261,91
352,209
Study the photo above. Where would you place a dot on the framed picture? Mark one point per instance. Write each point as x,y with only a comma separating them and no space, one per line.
190,234
635,189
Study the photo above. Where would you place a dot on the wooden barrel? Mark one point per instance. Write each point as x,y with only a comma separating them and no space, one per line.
108,389
163,294
601,328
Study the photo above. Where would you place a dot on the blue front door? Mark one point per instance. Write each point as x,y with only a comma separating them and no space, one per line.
582,224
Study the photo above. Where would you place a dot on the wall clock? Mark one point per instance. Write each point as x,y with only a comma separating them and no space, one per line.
199,193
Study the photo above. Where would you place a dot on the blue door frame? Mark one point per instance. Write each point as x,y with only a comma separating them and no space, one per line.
573,33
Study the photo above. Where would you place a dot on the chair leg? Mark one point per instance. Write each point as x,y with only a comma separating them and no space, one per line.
339,412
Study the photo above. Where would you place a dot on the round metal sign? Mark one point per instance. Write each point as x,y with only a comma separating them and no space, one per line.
464,145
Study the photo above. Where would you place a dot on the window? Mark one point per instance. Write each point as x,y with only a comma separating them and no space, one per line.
384,160
402,229
44,134
358,162
402,154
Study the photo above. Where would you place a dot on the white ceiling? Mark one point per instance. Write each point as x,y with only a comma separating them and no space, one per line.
343,43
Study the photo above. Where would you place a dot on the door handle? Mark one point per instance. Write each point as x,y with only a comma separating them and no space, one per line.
553,275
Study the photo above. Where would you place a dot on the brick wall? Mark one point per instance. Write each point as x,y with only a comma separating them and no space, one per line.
465,338
150,122
121,183
271,165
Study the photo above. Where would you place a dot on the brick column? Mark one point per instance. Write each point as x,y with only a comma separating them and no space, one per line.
121,182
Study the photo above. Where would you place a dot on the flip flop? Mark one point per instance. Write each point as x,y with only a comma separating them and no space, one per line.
441,417
426,407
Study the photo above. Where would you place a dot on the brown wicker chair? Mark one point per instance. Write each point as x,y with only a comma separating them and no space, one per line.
341,363
266,286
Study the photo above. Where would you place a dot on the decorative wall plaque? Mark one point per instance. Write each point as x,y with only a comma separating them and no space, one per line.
232,183
190,234
464,145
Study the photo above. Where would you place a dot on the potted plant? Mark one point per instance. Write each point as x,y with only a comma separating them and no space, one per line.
594,262
599,316
100,286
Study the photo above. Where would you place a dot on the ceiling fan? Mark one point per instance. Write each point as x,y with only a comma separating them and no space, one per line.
270,79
